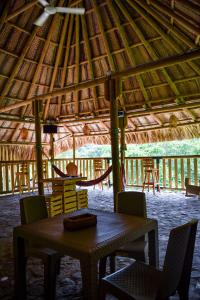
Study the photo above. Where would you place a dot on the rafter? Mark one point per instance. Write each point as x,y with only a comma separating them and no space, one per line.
164,35
105,41
67,51
128,49
4,14
140,69
57,60
20,10
170,13
89,56
18,64
77,69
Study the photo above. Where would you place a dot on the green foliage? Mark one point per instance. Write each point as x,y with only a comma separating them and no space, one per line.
186,147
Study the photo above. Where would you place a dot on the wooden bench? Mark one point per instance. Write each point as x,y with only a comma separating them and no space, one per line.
191,189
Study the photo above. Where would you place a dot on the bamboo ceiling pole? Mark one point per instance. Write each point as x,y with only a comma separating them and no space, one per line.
140,69
74,148
52,153
38,148
4,13
112,92
170,13
21,10
122,151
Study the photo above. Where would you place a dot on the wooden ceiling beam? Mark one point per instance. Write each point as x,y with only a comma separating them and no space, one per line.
140,69
57,60
141,130
19,62
148,47
77,69
66,59
128,49
20,10
104,38
147,9
89,56
164,9
4,13
11,143
134,113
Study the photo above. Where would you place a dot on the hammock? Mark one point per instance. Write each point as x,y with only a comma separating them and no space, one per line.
84,183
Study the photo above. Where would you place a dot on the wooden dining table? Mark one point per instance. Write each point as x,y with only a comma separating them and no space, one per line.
88,245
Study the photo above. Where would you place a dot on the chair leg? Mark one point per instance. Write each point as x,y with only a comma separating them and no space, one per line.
50,267
102,294
112,263
102,267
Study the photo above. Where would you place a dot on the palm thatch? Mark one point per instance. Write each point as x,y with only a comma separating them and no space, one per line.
152,45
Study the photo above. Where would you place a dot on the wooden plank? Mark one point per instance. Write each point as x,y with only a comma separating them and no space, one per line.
176,172
188,168
127,171
164,172
195,172
182,174
132,173
1,178
170,172
137,175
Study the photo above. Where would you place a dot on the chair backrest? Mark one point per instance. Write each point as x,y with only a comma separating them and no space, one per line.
148,163
132,203
72,169
98,164
24,168
187,267
32,209
175,258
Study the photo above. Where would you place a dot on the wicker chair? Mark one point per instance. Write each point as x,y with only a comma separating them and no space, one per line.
133,203
140,281
34,208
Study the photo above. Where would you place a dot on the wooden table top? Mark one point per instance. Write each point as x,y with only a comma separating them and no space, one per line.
112,231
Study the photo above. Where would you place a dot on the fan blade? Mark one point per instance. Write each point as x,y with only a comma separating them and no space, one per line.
42,19
43,2
77,11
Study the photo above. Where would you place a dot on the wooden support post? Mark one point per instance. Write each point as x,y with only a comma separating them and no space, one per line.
122,126
74,148
112,88
52,153
38,147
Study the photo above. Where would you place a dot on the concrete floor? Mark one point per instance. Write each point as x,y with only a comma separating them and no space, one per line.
170,208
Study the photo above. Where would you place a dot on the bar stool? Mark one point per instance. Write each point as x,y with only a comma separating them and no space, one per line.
151,175
98,169
22,178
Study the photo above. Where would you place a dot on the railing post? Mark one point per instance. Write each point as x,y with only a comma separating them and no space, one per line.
1,179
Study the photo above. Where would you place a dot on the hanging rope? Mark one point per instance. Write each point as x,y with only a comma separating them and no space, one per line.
84,183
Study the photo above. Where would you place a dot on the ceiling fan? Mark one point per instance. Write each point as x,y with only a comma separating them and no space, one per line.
51,10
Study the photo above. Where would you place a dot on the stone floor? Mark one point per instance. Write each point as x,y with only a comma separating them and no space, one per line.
170,208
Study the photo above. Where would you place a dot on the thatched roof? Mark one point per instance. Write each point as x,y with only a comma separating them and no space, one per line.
161,98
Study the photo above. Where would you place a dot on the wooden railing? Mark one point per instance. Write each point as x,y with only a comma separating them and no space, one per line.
172,171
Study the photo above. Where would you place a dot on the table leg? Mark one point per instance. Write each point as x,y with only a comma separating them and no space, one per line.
89,271
19,267
153,247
